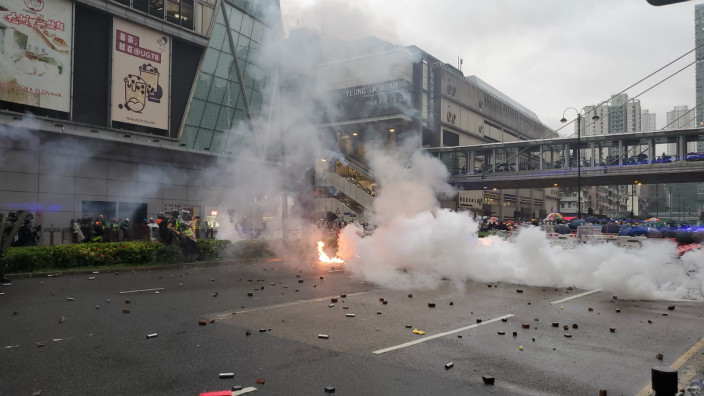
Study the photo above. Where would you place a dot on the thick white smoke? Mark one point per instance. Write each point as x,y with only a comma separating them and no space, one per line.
417,245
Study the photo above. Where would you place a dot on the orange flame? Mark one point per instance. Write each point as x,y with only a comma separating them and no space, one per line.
324,257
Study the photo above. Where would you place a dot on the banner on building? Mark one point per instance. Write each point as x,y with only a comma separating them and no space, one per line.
372,100
35,53
140,75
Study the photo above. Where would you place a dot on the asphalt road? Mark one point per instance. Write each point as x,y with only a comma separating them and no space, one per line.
72,335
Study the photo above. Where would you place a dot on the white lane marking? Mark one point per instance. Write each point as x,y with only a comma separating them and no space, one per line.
576,296
143,290
291,303
243,391
432,337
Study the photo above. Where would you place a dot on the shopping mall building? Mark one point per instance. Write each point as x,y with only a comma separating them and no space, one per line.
383,98
120,107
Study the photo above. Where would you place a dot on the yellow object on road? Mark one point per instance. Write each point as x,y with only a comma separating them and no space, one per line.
416,331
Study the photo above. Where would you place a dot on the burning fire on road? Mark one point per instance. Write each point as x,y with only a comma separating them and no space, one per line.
324,258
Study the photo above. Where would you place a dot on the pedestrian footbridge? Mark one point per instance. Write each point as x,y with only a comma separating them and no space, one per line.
673,156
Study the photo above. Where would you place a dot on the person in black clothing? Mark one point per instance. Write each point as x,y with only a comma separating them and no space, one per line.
28,233
125,227
164,234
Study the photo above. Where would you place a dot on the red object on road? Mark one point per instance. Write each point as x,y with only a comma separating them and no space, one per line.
217,393
682,249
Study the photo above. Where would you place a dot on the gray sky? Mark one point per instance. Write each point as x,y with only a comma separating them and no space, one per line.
547,55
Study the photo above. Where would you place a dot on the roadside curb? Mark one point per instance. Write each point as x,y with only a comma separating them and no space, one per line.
23,275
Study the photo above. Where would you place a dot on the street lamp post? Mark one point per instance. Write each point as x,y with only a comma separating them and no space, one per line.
579,151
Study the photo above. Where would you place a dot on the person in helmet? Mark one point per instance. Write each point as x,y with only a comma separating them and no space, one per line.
172,225
163,230
28,233
126,228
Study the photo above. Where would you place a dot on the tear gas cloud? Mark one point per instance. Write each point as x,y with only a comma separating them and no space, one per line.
417,245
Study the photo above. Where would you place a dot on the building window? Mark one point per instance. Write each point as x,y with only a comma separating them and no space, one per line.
178,12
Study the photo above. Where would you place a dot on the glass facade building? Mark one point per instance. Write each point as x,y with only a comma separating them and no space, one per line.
230,88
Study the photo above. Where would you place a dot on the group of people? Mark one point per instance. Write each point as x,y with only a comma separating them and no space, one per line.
18,229
99,229
180,229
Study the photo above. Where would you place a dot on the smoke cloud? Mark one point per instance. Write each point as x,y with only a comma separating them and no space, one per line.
418,245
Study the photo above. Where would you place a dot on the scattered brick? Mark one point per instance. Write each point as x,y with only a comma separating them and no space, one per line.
431,305
502,333
574,326
488,380
590,309
659,356
202,323
615,297
566,327
386,302
410,296
479,320
519,291
236,387
602,392
69,298
329,389
125,311
260,381
452,303
153,335
321,278
671,308
250,294
525,326
127,301
504,320
248,332
262,330
568,335
212,320
300,281
449,365
618,310
555,324
334,300
515,334
343,295
650,321
409,326
612,329
227,375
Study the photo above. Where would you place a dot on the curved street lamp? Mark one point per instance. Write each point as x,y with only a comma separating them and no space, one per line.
579,158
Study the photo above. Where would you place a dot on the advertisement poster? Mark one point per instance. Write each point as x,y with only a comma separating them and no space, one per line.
140,75
35,53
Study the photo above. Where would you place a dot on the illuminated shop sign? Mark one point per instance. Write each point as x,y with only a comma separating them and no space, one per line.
371,100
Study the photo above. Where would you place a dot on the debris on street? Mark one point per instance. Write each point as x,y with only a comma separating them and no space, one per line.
419,332
488,380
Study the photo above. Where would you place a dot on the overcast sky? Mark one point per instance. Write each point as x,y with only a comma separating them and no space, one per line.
547,55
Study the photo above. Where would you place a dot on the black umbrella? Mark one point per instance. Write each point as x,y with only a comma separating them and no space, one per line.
592,219
563,229
610,228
